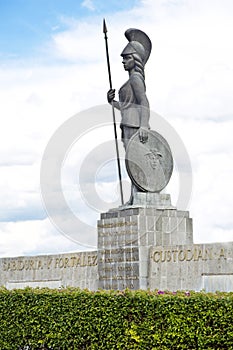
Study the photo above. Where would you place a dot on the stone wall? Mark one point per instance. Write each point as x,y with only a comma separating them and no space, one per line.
53,271
192,267
138,248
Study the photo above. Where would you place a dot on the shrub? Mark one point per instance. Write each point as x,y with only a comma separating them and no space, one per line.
148,320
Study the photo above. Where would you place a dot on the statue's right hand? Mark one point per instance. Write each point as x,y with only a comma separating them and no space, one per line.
111,95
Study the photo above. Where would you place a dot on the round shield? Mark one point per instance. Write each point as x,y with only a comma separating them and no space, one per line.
150,164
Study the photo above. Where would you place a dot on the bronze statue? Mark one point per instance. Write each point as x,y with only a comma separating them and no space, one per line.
133,102
149,160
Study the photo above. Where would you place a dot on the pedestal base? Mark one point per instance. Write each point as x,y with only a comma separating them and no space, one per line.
152,200
125,236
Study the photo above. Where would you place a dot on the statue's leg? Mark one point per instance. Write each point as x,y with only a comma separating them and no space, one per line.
127,133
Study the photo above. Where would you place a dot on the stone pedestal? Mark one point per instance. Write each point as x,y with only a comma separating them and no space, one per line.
125,236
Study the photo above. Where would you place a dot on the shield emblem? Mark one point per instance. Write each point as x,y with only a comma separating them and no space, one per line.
149,165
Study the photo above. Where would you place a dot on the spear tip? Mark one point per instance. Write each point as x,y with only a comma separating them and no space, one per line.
104,27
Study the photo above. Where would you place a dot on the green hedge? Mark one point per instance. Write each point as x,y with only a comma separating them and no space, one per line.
76,319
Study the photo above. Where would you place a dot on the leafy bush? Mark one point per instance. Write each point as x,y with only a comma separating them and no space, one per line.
76,319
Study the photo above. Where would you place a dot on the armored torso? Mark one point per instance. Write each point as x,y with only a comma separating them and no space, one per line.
130,109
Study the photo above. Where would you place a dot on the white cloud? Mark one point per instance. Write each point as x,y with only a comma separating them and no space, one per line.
189,79
88,4
210,148
31,237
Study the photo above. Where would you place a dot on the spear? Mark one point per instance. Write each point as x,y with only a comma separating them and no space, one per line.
113,111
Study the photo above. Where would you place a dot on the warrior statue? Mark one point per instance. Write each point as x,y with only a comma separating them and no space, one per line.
149,161
133,103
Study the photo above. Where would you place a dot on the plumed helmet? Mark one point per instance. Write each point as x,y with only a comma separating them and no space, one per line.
139,43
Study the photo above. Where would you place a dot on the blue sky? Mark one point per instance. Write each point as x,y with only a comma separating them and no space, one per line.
25,25
53,66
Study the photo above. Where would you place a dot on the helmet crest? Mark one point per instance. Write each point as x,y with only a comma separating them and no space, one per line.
139,43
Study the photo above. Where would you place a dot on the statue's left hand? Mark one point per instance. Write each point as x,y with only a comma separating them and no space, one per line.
143,134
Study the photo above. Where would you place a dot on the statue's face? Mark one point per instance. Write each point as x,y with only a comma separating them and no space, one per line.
128,62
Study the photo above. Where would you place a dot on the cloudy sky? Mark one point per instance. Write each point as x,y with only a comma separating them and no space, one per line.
53,68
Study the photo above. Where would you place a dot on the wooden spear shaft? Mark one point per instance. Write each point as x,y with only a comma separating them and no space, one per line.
113,111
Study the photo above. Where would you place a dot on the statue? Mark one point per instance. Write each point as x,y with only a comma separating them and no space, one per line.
148,157
133,102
